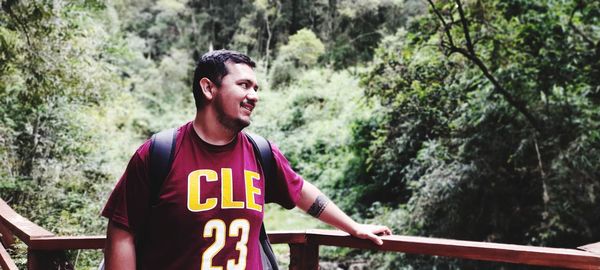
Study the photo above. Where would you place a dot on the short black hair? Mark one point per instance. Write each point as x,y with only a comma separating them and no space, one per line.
212,66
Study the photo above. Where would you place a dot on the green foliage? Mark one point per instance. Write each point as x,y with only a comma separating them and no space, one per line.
484,131
309,120
357,26
304,48
51,75
47,75
479,122
302,51
282,73
62,118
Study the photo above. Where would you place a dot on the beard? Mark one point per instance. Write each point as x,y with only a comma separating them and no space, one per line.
234,124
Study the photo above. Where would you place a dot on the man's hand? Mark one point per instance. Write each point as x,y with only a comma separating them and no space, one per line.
371,232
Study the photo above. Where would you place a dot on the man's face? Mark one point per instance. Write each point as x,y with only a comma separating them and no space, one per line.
236,97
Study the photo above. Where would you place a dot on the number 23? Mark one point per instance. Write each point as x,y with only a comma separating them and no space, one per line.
216,228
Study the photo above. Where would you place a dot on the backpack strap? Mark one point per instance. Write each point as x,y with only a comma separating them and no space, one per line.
262,150
162,152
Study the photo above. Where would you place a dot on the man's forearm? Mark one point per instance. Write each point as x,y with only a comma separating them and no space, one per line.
315,203
330,214
119,251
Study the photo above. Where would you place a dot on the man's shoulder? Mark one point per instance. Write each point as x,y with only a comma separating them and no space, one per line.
144,149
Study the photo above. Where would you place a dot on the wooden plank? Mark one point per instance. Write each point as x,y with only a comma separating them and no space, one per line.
542,256
68,242
287,237
593,248
6,263
20,226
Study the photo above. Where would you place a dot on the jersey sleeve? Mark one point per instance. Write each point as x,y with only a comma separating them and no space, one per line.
285,191
129,202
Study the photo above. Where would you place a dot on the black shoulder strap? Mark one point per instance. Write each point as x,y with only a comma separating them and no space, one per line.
161,157
262,149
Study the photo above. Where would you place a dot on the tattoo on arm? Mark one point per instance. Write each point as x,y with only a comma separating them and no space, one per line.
318,206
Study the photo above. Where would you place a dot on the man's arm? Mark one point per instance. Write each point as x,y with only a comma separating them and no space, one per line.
315,203
119,251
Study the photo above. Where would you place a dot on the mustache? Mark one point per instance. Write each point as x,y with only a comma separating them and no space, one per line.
248,103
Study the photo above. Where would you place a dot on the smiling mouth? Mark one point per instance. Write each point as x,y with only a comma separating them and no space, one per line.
248,106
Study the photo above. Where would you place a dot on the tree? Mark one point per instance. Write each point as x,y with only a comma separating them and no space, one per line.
483,104
304,48
55,84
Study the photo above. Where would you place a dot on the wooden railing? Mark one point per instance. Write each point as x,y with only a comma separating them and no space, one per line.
46,250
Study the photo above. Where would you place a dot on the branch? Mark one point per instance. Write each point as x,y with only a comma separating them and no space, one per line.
465,25
444,24
20,23
470,54
498,88
362,36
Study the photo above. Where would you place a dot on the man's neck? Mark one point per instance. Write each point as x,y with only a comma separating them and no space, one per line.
208,128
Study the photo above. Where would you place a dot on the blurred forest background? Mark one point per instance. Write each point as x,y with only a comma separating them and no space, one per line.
472,119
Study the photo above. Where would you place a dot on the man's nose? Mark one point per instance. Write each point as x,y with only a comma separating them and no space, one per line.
253,95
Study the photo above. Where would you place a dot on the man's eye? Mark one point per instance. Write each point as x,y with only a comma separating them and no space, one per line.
244,85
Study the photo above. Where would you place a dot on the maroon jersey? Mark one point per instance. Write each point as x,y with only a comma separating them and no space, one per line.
210,207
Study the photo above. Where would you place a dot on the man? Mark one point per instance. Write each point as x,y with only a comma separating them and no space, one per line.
211,204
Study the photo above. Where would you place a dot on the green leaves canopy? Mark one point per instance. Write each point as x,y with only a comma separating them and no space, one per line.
466,160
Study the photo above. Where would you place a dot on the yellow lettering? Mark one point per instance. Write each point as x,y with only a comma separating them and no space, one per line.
227,201
251,190
194,199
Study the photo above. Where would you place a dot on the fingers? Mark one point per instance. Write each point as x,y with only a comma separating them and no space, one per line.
373,232
379,229
376,239
382,230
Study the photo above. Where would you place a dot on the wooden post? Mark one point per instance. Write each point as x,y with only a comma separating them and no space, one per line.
6,236
304,256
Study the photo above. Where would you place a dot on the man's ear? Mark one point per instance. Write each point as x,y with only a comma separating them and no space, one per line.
208,88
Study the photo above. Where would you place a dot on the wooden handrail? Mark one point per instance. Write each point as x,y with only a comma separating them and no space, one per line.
68,242
519,254
45,248
20,226
593,248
